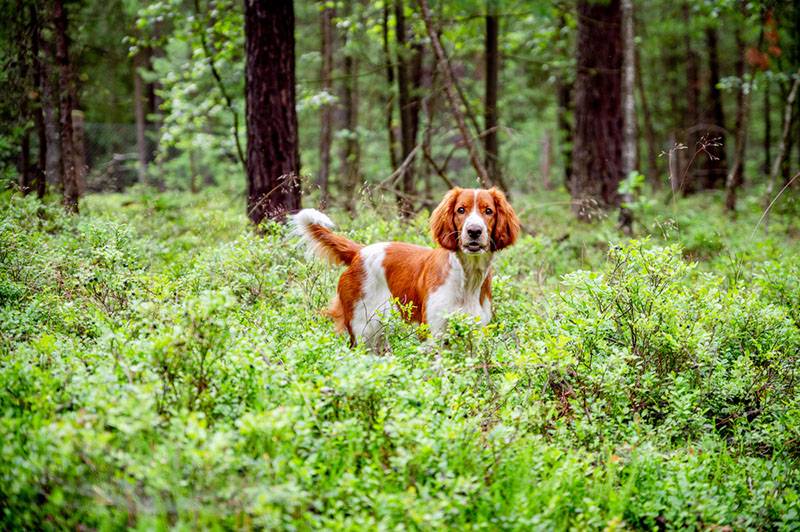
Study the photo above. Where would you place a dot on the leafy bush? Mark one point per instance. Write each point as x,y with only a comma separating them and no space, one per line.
163,366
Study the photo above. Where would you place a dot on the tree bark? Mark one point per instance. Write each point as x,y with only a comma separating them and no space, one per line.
390,80
351,162
647,119
628,111
597,153
564,111
38,110
273,159
767,128
735,177
326,115
409,78
491,151
141,116
452,97
692,118
784,142
69,171
716,168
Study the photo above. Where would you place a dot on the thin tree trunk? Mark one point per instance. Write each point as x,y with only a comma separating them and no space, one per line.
141,116
390,126
38,111
452,97
628,112
409,76
25,163
50,105
735,177
564,115
70,173
692,117
192,172
79,141
767,127
326,116
599,138
491,151
715,168
352,147
647,119
782,145
273,159
546,160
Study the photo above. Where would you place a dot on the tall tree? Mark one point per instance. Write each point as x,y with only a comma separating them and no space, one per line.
715,168
490,95
409,79
597,153
38,72
69,169
735,177
628,110
564,108
326,116
390,88
273,159
141,61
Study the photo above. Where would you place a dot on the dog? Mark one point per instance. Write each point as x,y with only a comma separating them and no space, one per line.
469,225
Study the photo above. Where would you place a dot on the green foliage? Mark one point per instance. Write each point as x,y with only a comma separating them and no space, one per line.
162,366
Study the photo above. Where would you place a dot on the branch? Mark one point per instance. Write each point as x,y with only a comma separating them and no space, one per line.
222,89
452,97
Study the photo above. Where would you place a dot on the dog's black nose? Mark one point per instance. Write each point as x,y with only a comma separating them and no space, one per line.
474,233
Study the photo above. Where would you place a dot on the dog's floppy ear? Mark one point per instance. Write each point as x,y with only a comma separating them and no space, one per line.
443,227
506,228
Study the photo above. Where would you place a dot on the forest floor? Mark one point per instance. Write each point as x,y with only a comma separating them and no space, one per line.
162,365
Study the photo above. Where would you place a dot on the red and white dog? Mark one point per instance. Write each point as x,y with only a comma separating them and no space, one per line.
469,225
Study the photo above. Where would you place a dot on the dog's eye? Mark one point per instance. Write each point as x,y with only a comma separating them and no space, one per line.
461,210
488,211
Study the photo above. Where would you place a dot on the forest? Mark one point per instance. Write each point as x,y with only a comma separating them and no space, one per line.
165,356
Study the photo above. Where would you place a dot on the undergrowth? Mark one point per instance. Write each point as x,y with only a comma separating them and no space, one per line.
163,365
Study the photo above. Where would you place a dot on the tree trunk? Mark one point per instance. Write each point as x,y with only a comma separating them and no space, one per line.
273,159
767,112
326,115
452,96
692,118
38,111
715,169
546,160
564,116
647,119
409,78
352,148
25,180
141,116
70,172
628,112
79,141
597,153
390,126
784,142
491,152
326,118
735,177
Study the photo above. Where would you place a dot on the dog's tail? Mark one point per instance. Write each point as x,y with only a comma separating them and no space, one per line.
315,230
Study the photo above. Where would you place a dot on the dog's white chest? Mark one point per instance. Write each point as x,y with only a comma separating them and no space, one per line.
461,291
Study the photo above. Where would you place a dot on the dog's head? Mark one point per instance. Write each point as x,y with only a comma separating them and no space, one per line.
474,221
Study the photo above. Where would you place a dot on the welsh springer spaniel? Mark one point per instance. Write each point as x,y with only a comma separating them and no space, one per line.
469,225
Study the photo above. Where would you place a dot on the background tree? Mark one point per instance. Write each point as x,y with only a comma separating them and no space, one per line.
68,156
597,154
273,159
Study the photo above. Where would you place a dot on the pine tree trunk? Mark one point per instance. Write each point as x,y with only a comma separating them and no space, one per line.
409,78
38,111
390,80
491,151
273,159
326,115
715,169
767,112
628,111
735,178
141,116
647,119
351,162
692,118
597,153
69,171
